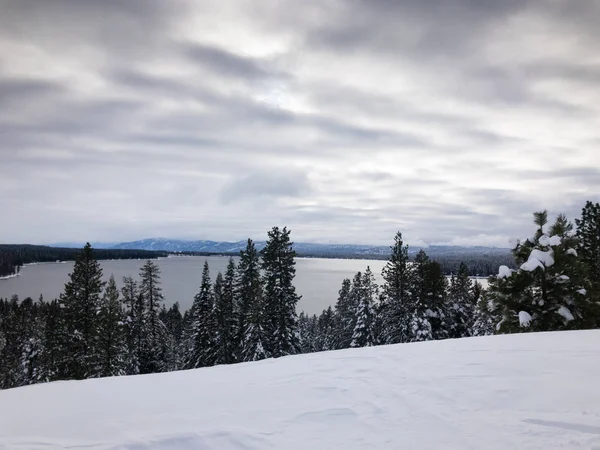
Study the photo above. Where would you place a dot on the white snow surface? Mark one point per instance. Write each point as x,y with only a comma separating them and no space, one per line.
524,318
526,391
504,272
582,291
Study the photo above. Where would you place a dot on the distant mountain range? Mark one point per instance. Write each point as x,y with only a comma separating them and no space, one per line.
303,249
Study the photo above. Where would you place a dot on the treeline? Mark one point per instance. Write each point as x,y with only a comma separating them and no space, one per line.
96,330
249,312
12,257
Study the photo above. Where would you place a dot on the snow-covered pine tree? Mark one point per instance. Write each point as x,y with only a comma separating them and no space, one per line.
31,343
53,338
112,340
253,345
588,234
80,301
204,326
225,319
344,316
461,304
153,330
248,294
279,294
546,293
325,331
170,347
134,309
393,313
228,327
487,313
363,334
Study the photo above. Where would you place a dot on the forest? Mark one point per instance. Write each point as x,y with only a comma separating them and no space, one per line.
249,312
13,257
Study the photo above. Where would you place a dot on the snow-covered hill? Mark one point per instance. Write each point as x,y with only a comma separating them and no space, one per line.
529,391
303,248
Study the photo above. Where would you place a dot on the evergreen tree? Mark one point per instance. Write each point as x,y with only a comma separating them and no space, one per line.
53,339
204,327
427,306
280,298
170,356
461,304
112,343
253,345
363,334
325,338
80,302
344,317
153,331
223,291
134,309
249,306
588,234
546,293
393,312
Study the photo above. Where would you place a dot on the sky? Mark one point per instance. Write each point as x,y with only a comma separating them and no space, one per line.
346,120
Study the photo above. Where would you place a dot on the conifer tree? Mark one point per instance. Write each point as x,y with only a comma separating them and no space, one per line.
53,339
224,314
134,310
279,295
462,303
427,308
253,345
344,316
249,306
363,334
80,302
588,234
325,339
153,331
393,311
203,332
112,343
546,293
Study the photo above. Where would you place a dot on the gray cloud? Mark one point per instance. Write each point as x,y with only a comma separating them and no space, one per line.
450,120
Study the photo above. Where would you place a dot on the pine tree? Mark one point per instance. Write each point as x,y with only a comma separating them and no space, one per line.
546,293
134,310
153,331
428,307
80,302
249,306
53,339
170,356
344,316
325,339
280,298
393,312
588,234
224,312
204,328
461,304
363,334
112,343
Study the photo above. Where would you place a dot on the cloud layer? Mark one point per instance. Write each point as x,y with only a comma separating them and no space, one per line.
345,120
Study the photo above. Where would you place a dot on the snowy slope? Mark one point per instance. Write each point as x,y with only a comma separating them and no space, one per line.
531,391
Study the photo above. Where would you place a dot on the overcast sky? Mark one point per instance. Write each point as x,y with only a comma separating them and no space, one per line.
450,120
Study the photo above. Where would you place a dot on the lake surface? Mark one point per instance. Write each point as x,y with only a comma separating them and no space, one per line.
318,280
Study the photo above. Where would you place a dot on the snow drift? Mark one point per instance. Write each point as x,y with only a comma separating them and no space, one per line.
534,391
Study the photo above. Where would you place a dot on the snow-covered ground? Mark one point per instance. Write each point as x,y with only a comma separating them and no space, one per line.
528,391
